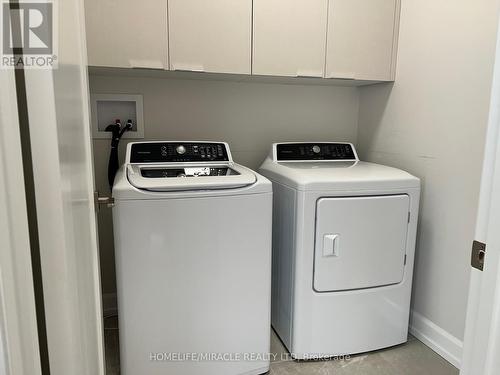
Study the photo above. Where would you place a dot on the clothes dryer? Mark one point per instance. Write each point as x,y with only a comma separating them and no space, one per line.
343,249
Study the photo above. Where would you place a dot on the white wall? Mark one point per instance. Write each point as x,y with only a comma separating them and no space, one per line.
432,123
250,116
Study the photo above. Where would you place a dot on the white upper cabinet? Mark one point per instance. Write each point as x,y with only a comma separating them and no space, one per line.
127,33
211,36
289,37
362,39
346,39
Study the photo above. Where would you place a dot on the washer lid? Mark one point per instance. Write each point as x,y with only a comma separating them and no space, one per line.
184,166
171,177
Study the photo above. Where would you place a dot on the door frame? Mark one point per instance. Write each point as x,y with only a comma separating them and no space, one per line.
482,328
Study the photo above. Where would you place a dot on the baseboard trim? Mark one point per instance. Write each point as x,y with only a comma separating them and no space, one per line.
109,304
436,338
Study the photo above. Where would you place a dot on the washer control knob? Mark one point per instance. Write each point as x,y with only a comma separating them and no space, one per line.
316,149
181,150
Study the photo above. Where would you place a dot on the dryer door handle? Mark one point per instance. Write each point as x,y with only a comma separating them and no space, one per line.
331,245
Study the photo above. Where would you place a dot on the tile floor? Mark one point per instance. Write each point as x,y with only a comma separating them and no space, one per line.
412,358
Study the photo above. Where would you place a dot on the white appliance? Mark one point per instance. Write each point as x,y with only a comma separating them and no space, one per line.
193,261
343,248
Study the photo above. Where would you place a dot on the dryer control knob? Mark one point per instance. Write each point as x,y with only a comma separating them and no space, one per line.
181,150
316,149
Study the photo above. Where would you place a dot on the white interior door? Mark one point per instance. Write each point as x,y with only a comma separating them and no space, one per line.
59,134
482,328
19,349
344,259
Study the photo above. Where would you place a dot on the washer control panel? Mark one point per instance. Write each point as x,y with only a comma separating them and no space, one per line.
315,151
185,172
177,152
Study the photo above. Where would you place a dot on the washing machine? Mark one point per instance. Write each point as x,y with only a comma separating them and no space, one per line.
193,261
343,248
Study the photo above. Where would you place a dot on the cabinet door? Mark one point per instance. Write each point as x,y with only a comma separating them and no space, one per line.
360,242
289,37
211,36
362,37
127,33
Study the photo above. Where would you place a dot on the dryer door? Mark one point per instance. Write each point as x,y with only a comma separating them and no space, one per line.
360,242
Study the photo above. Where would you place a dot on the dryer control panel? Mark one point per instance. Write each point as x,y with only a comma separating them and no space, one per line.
178,152
315,152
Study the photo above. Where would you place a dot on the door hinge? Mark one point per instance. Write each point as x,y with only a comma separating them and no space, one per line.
409,216
102,201
478,254
404,264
